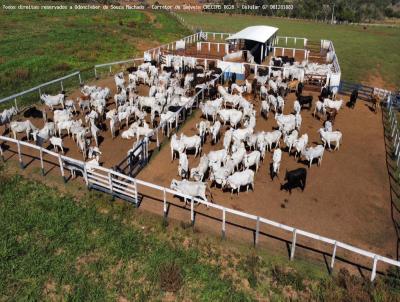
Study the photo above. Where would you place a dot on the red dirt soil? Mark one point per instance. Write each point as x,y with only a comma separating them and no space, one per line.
346,198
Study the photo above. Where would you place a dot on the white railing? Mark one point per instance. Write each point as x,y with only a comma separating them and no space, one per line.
126,184
394,128
39,88
290,51
287,39
134,61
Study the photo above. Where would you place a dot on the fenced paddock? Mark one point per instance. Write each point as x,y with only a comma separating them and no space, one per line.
226,214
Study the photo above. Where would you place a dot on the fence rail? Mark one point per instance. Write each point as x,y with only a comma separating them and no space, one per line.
39,87
126,187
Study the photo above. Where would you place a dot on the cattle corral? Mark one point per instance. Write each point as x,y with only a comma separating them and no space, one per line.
346,198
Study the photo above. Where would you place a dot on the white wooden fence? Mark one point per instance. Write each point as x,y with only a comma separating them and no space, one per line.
394,128
39,88
124,186
109,65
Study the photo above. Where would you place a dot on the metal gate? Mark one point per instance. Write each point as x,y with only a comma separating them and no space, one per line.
134,162
111,182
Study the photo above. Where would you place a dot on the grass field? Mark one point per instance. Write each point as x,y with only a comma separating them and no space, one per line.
37,46
368,55
54,246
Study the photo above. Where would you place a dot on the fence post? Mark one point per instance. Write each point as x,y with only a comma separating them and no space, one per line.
257,230
192,211
110,69
373,273
136,192
80,79
61,167
223,223
21,164
62,86
333,256
293,247
85,175
165,204
110,182
95,73
1,152
41,160
16,105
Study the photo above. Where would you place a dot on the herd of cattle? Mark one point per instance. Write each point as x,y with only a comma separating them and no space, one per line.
93,111
227,111
233,167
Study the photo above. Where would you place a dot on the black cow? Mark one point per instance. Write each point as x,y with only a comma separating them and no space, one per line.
305,100
295,178
353,98
131,69
299,88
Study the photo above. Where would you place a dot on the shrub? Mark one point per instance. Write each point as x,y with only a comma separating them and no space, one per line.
170,277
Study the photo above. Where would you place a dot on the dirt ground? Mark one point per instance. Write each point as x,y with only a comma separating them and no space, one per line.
346,198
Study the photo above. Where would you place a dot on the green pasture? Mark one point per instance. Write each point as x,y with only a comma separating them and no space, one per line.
37,46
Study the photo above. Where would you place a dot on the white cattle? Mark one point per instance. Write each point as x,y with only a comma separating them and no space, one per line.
64,125
240,179
330,136
208,110
276,160
300,144
215,129
183,166
219,174
280,103
70,105
198,172
190,142
252,141
314,152
25,126
57,143
319,108
290,139
228,138
252,159
265,108
94,130
333,104
217,156
296,107
175,143
272,137
144,130
242,134
43,135
53,100
328,126
202,128
119,81
6,115
298,121
191,188
273,101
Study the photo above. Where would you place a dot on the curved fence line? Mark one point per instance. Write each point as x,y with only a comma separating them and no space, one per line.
128,186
